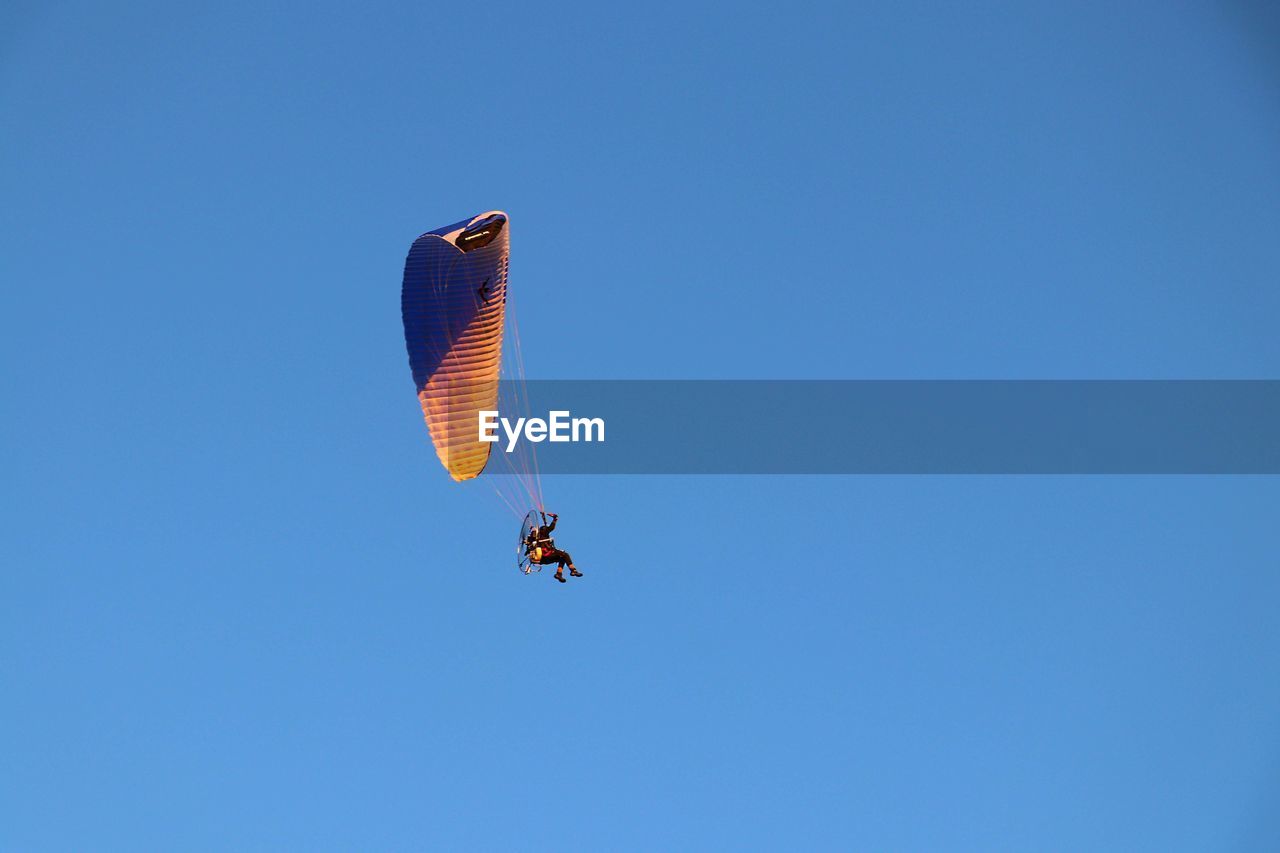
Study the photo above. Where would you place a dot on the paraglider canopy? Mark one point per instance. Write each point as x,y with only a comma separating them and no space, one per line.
462,340
453,303
482,232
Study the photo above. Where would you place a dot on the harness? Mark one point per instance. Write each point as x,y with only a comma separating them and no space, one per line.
540,545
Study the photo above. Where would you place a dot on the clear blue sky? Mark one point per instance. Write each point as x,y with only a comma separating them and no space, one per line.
241,607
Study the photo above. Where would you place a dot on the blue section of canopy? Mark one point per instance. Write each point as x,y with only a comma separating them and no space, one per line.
443,290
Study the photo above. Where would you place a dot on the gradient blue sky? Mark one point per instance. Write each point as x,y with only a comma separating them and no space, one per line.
242,607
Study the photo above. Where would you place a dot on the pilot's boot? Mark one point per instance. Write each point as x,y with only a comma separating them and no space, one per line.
575,572
560,576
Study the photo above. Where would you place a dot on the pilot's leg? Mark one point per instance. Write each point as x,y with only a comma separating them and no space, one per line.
564,555
558,558
561,559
